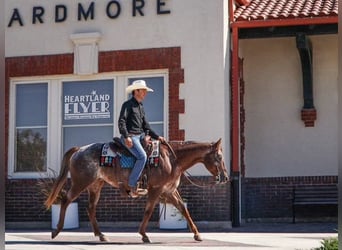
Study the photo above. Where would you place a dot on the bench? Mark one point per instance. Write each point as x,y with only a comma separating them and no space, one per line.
313,195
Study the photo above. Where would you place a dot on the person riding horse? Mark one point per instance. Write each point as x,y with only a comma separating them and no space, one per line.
86,174
176,157
133,125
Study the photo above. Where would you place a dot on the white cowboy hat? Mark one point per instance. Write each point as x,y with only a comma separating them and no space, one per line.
138,84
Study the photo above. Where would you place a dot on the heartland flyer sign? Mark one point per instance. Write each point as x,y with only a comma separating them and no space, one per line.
88,102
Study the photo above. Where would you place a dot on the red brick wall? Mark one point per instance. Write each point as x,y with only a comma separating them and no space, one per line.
272,197
24,203
24,196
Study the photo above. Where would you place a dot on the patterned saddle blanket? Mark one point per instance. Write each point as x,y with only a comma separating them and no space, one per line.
110,155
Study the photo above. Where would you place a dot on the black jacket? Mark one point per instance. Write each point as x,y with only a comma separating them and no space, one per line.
132,119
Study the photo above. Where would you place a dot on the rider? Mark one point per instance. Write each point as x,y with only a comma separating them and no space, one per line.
132,126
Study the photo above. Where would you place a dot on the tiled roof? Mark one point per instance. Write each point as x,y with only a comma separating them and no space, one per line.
285,9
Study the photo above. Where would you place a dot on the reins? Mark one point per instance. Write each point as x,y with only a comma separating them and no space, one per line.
170,148
195,184
198,185
188,174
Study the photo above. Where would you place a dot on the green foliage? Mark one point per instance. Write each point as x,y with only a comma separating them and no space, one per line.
328,244
45,186
31,151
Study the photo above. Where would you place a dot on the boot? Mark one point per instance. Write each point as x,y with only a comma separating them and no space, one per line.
136,192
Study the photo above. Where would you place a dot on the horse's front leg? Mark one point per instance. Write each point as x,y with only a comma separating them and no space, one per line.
153,196
176,200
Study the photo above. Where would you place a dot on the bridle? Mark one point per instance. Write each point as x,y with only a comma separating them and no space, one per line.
218,160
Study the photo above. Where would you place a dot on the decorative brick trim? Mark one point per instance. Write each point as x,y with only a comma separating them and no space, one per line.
309,116
39,65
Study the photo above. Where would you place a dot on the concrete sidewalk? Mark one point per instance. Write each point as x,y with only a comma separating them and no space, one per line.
248,236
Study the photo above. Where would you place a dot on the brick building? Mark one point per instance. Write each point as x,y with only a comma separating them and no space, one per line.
60,53
252,98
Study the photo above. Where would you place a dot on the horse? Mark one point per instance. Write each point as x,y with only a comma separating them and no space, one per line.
162,181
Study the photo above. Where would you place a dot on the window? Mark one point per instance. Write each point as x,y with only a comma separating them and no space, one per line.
31,127
154,103
87,112
47,117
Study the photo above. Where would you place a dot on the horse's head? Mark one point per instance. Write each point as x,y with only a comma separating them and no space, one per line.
214,162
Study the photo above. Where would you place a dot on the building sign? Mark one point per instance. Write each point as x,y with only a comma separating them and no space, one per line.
59,13
88,102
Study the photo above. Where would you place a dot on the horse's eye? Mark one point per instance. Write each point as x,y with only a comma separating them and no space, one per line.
219,157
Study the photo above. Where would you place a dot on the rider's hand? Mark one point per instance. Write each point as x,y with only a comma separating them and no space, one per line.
129,142
162,139
148,138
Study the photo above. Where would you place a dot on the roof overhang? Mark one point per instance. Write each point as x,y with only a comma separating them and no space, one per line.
286,27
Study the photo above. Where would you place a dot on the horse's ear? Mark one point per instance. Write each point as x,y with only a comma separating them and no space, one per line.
218,143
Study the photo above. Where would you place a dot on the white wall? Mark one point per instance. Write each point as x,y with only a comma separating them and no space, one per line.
277,142
200,28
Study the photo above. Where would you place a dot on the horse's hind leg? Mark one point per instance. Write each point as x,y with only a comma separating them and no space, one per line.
176,200
60,224
72,194
94,195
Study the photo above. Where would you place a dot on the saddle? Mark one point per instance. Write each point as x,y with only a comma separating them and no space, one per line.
118,145
118,150
116,153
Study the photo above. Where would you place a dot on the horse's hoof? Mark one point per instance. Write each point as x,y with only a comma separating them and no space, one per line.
145,239
197,237
54,234
103,238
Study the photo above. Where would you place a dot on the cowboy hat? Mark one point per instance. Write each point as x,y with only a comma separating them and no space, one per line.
138,84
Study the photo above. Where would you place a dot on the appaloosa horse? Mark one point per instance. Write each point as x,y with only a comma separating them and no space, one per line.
86,174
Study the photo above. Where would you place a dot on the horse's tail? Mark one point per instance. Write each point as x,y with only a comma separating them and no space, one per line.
61,179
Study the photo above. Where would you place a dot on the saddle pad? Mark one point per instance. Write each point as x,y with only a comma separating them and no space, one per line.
153,158
127,161
107,156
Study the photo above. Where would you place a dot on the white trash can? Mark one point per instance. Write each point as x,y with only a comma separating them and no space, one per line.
71,216
170,217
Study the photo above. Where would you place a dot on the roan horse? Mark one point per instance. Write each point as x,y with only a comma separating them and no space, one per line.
162,181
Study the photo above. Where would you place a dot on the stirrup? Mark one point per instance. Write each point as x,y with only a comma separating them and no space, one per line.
136,192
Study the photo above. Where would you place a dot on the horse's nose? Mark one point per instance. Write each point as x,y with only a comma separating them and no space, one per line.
225,178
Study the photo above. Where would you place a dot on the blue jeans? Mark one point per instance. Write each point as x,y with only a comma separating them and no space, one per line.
138,151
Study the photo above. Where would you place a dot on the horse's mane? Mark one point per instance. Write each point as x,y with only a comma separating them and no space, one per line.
186,146
187,143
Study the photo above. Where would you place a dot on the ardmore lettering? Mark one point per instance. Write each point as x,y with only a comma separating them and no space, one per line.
84,13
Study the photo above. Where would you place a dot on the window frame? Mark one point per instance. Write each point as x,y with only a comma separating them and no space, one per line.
54,148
